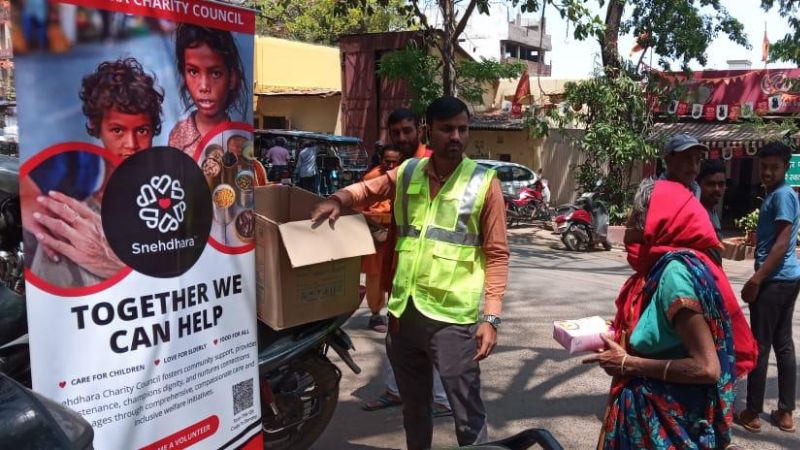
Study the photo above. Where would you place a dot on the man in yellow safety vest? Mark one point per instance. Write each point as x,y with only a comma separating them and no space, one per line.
452,250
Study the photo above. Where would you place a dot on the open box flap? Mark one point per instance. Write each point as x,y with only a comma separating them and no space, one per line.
349,237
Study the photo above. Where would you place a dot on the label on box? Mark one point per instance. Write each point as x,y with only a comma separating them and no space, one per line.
320,282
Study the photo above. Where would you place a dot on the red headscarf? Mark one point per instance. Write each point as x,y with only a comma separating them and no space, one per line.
677,221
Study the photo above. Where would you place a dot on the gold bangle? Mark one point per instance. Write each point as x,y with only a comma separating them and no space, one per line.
666,368
622,365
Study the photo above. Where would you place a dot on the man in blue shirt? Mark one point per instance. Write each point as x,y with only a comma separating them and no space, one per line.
771,292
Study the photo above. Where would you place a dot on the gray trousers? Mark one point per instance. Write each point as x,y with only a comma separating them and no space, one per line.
415,344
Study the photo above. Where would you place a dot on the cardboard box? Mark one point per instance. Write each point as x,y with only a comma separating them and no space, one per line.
304,274
581,335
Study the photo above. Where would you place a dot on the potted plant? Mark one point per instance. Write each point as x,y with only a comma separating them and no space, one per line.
748,225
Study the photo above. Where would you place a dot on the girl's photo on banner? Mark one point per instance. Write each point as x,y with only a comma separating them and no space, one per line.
136,182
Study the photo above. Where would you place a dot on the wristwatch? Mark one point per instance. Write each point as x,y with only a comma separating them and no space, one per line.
492,320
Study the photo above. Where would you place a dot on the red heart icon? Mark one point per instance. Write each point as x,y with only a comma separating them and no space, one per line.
215,341
62,384
157,362
164,203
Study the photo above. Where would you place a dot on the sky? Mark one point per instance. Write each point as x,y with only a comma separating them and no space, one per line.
576,59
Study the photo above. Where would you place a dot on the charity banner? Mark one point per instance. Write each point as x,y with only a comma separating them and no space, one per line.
136,182
732,94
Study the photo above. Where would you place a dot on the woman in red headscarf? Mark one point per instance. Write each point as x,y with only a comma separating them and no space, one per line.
680,338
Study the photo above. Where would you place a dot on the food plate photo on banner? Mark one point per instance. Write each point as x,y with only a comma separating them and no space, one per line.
136,184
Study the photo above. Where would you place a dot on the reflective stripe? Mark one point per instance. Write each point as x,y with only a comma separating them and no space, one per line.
470,197
407,173
407,231
454,237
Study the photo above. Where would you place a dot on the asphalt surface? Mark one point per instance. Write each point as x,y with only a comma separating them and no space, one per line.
529,381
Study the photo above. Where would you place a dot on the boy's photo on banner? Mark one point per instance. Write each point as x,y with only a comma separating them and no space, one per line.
136,180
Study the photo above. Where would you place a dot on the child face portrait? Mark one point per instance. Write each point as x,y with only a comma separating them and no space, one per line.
125,134
208,80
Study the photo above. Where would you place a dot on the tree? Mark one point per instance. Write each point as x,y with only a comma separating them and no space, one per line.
675,29
323,21
422,73
454,22
617,117
788,47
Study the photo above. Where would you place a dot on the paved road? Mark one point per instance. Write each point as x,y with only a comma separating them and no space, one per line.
529,381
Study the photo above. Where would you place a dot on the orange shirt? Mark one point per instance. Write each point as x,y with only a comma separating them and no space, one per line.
380,211
423,151
492,222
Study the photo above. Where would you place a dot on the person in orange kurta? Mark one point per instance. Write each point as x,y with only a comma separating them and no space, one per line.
379,213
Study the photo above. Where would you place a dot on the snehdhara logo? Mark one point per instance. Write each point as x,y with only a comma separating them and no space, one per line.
161,204
157,212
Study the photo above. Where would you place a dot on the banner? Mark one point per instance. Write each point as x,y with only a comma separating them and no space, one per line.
136,179
768,91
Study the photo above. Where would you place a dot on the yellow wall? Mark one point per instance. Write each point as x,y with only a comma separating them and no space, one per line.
489,144
555,154
284,63
307,113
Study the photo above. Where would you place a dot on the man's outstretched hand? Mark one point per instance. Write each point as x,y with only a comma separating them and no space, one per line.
329,209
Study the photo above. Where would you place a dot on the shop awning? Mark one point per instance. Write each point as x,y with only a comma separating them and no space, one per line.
720,135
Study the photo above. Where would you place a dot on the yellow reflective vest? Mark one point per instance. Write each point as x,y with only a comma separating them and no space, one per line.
440,261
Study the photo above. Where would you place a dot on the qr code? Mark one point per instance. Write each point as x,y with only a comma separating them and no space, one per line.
242,396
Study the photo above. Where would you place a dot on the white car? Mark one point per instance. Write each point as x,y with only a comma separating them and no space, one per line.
513,177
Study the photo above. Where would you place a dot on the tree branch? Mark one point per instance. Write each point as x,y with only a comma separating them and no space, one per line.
421,15
462,24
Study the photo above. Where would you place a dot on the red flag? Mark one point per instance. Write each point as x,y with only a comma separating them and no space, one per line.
765,47
523,91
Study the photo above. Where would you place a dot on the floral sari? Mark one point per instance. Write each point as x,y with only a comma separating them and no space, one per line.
646,413
650,414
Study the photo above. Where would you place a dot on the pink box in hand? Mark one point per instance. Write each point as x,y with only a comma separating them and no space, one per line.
581,335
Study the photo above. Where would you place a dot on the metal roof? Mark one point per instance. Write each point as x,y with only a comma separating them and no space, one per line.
283,91
497,122
719,135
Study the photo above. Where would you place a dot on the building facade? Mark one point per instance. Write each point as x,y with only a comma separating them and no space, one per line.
297,86
503,35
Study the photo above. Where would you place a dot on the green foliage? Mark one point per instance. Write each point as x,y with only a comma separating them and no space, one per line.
617,118
748,223
323,21
422,73
618,215
785,127
788,47
682,30
677,30
473,76
419,69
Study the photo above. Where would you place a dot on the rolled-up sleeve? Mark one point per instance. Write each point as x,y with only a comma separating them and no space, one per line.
495,247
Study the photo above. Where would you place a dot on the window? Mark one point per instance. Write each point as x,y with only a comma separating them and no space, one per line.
521,174
504,173
275,122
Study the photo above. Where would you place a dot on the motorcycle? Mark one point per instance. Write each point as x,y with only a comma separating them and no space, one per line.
27,419
299,384
527,208
584,225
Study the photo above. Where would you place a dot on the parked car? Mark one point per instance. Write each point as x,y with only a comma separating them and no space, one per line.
513,177
341,160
